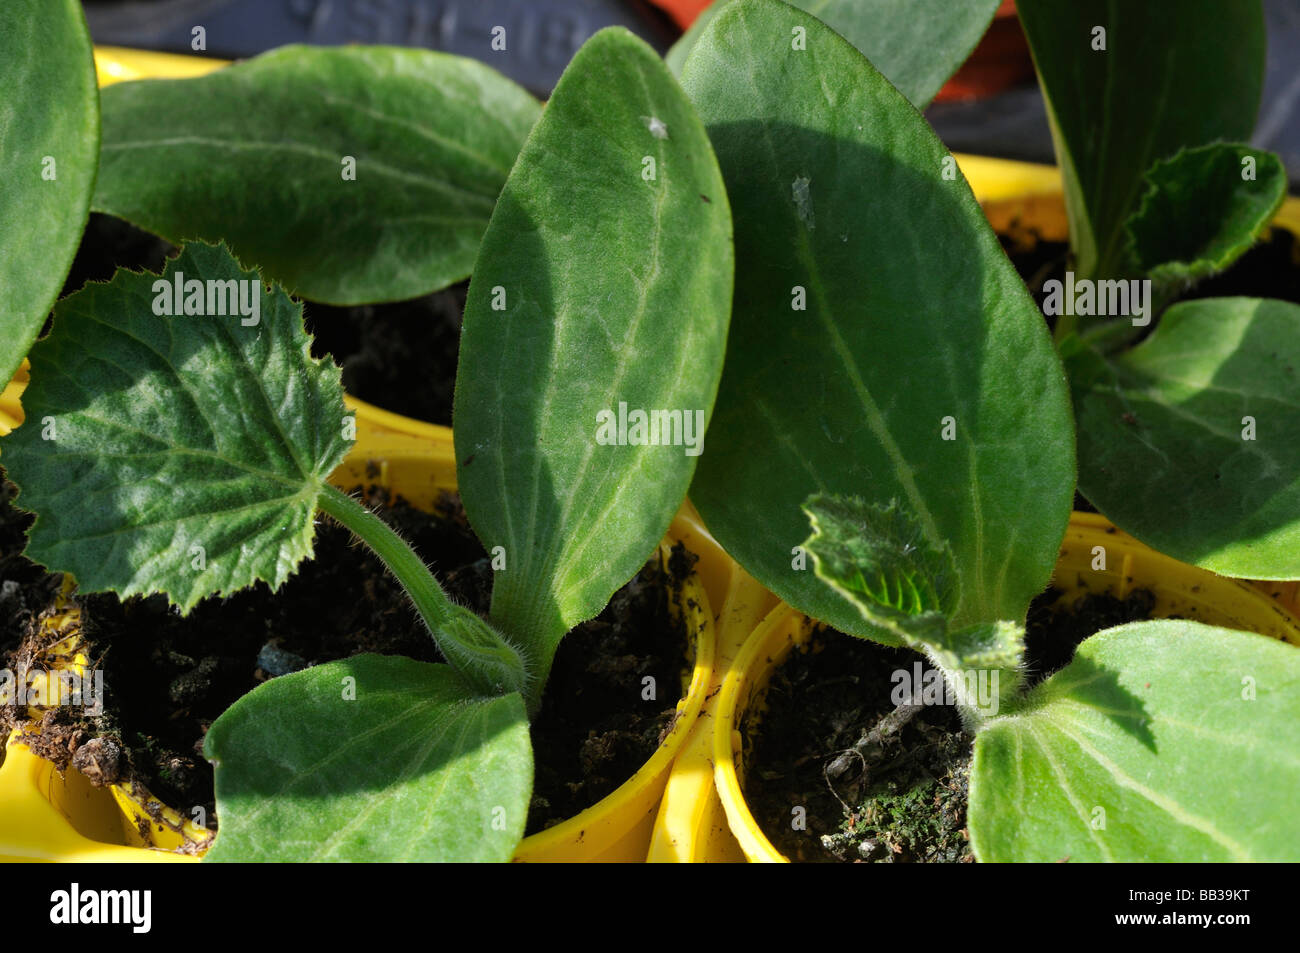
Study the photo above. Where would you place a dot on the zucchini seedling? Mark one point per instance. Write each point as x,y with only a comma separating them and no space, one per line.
1191,439
889,370
188,455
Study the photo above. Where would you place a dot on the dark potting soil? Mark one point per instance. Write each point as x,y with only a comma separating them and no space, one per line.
905,800
167,678
399,356
26,590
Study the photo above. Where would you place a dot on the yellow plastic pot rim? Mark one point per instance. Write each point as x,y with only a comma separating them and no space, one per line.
1132,565
429,447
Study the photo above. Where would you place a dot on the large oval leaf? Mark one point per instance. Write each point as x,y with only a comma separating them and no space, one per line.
1161,741
257,155
181,454
917,44
1158,77
1191,441
374,758
604,283
915,328
49,143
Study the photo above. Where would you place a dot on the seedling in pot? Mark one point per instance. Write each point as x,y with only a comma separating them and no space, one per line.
188,455
1190,440
889,371
1161,740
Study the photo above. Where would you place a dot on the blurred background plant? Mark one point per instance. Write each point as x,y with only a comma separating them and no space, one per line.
992,106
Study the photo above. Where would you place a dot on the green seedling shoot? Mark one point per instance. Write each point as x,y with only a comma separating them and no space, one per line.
188,453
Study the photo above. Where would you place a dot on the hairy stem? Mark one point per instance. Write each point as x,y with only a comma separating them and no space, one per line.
480,653
976,711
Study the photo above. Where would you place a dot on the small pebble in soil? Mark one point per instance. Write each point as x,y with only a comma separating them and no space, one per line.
100,760
275,661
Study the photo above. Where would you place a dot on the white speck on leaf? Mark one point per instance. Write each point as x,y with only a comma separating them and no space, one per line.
657,127
803,201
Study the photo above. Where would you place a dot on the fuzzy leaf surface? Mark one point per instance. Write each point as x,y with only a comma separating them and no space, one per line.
596,286
1199,214
917,44
1163,448
414,767
1166,80
878,558
186,454
912,315
253,155
49,144
1148,747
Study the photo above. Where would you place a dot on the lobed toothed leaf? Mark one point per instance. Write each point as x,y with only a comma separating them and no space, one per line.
184,454
1129,83
879,558
1202,209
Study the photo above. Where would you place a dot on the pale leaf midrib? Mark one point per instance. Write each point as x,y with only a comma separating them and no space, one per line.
424,132
1069,793
875,420
353,740
301,148
416,761
1168,805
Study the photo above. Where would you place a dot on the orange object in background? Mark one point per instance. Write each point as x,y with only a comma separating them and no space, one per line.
683,11
1000,61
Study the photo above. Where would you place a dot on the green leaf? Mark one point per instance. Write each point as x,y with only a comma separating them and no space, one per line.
49,143
1180,738
255,155
878,558
375,758
988,646
1165,447
916,326
1200,213
597,287
1166,80
917,44
183,454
